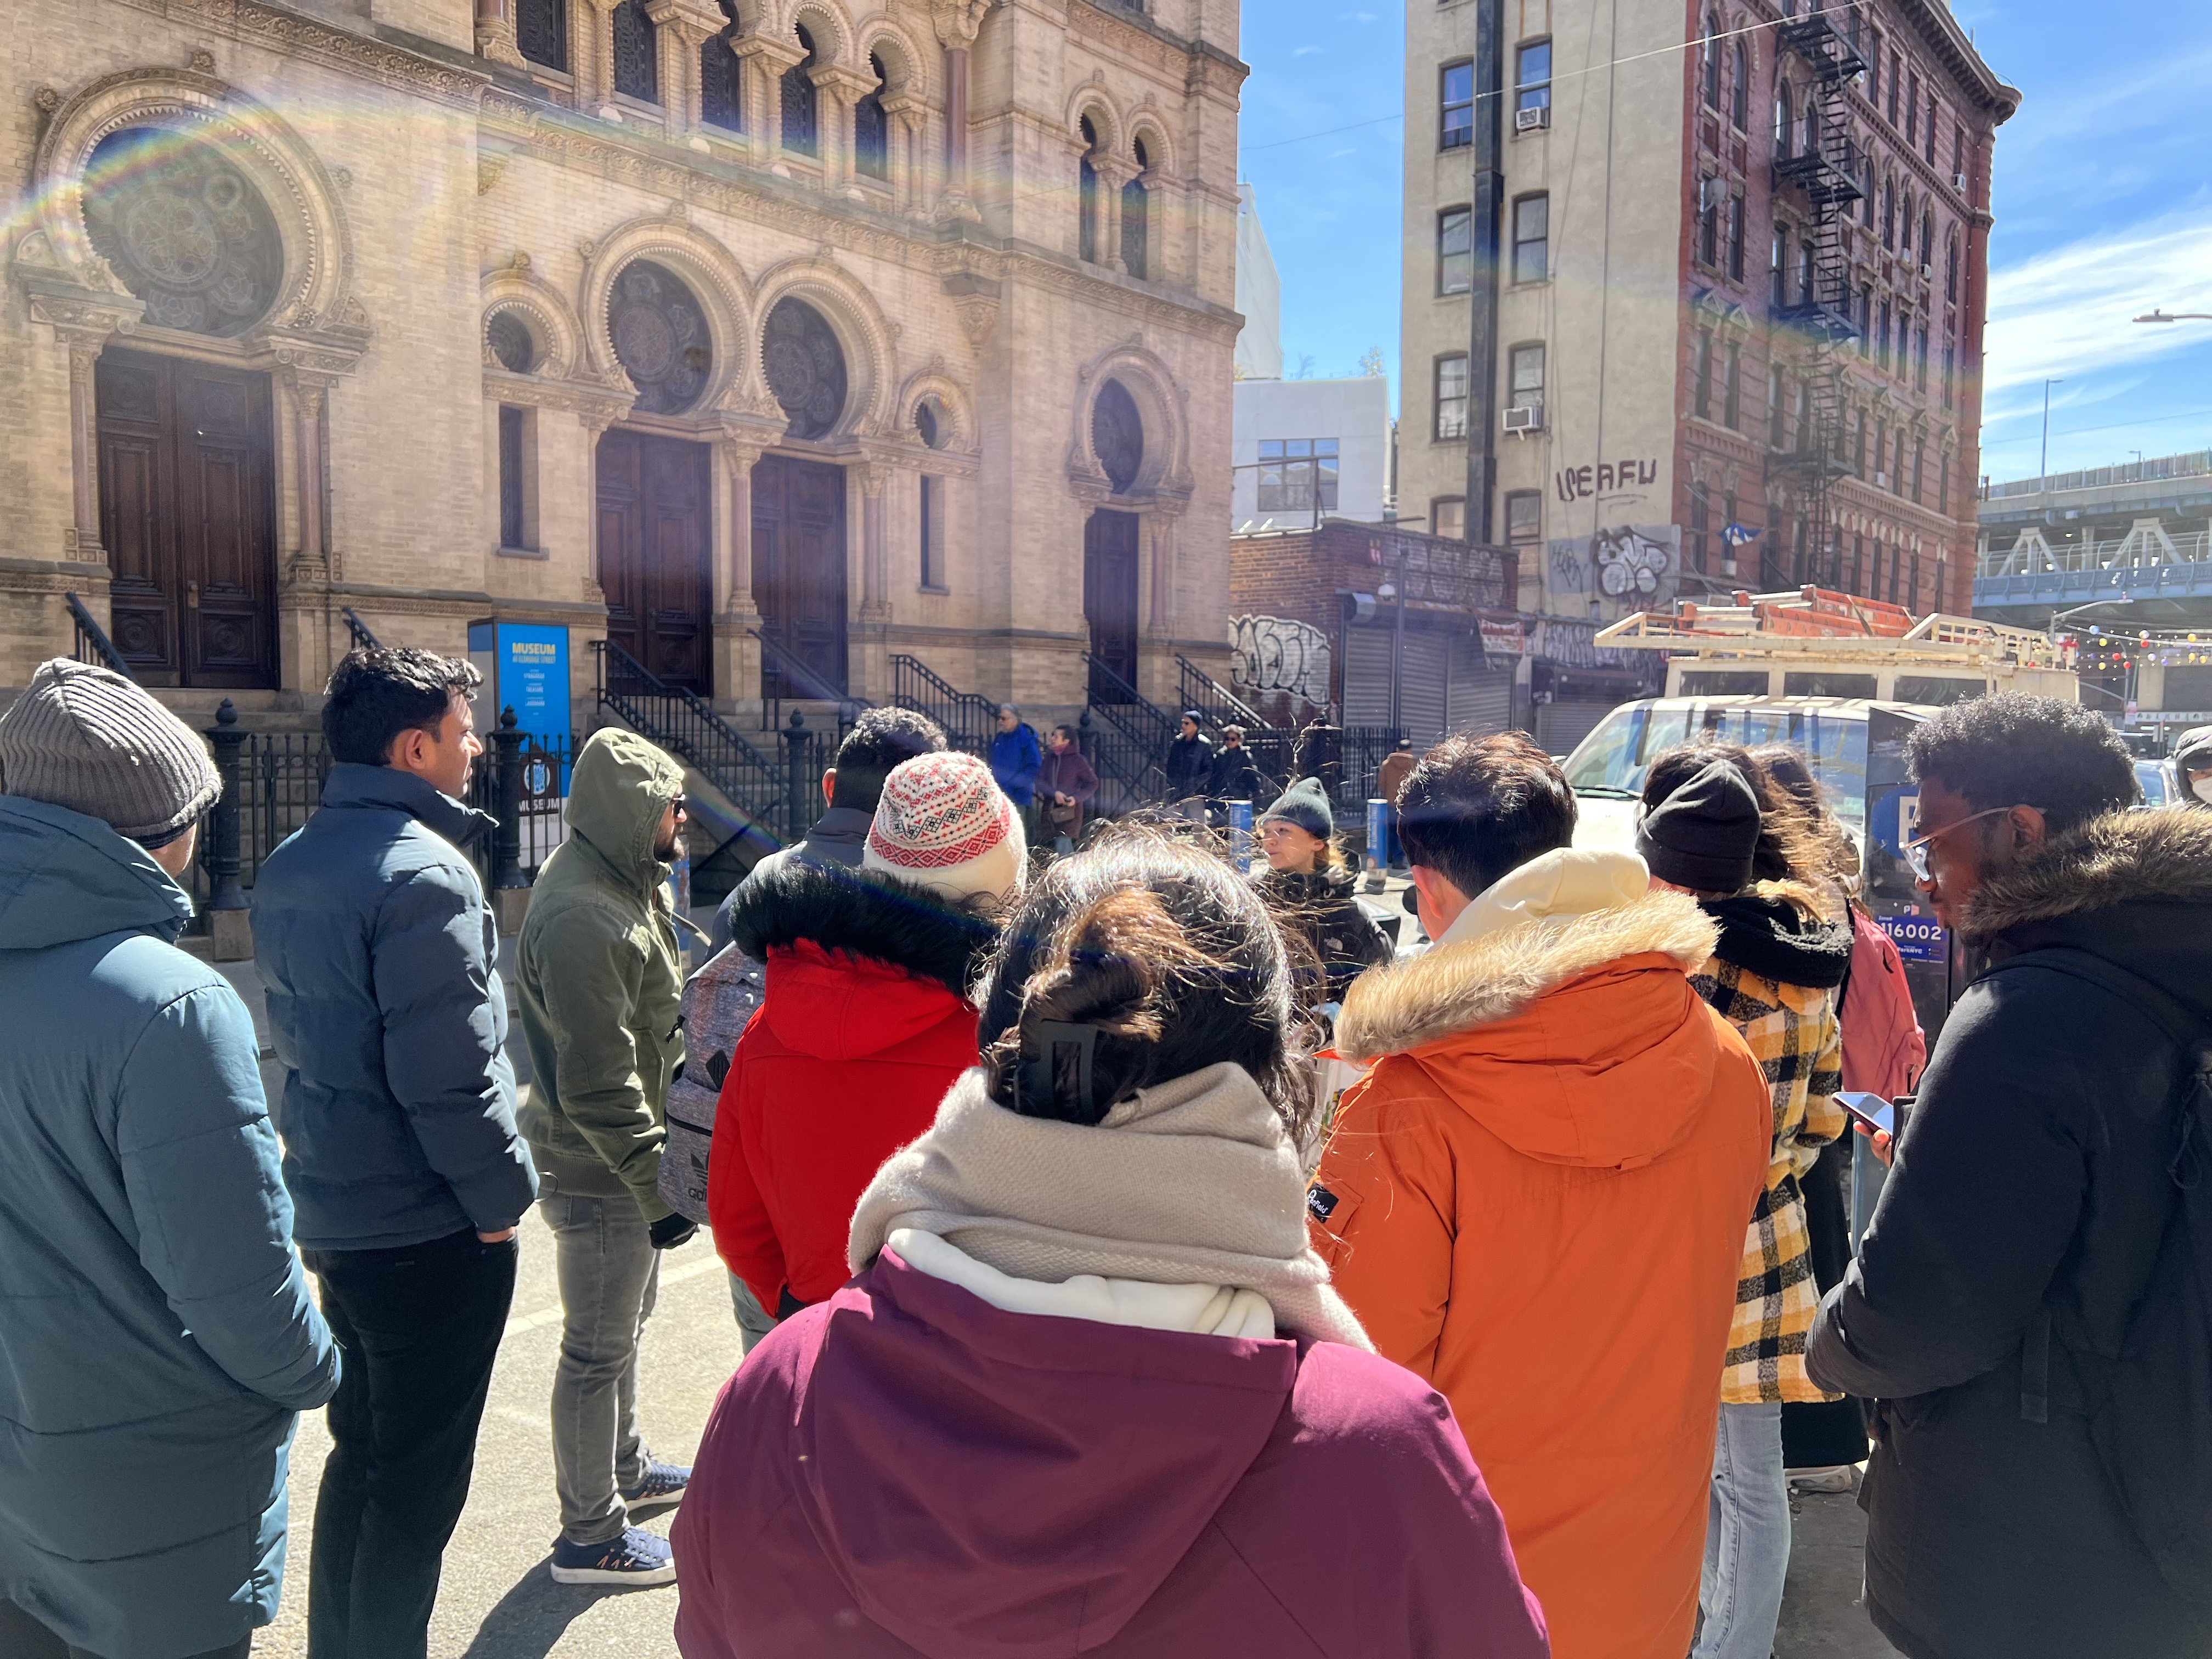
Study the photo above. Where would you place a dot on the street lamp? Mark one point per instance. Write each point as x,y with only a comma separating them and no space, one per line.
2177,317
2058,617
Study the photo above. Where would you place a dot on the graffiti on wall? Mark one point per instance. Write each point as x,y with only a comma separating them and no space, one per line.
1275,654
1628,568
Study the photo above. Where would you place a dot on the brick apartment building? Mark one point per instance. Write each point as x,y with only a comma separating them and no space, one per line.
1721,270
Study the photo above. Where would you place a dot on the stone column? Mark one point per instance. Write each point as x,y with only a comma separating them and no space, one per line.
84,452
869,672
1113,173
683,28
842,91
597,96
958,22
737,651
765,61
595,421
908,171
494,32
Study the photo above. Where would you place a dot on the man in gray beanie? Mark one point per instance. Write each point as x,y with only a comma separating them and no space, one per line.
157,1330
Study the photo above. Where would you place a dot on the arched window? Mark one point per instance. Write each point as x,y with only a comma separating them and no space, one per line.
1905,227
1784,120
871,127
1136,201
1117,433
1889,213
1086,195
637,55
541,30
184,229
1927,237
1866,190
721,98
512,346
1711,68
1951,270
1740,100
802,129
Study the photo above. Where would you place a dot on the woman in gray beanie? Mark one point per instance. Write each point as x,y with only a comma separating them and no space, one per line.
1310,892
158,1334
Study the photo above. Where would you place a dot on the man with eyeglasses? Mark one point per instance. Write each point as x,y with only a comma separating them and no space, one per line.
2006,1309
601,980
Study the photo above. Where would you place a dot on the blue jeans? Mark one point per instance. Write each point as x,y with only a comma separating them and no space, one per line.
1747,1537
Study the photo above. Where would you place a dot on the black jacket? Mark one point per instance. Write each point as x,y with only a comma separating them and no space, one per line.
1236,776
1319,909
1189,764
2031,1177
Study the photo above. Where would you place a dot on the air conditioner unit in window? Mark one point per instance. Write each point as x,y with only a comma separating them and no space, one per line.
1532,121
1881,481
1712,192
1959,181
1927,270
1525,418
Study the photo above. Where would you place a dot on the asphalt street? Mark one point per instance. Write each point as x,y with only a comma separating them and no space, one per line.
497,1601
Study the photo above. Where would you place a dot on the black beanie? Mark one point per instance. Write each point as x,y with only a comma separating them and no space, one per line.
1704,834
1305,803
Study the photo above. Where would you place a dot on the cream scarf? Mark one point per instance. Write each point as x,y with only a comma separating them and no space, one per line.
1193,1183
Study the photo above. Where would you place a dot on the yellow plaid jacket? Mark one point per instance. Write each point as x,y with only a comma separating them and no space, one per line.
1794,1034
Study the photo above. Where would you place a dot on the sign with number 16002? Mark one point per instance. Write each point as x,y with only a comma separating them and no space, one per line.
1918,938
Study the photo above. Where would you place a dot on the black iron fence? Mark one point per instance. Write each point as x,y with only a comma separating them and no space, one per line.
969,718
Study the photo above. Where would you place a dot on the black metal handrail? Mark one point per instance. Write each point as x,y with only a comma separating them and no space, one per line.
810,684
1222,707
684,723
1127,707
91,638
364,640
969,718
1128,777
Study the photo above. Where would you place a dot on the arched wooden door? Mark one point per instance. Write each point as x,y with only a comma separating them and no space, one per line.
1109,598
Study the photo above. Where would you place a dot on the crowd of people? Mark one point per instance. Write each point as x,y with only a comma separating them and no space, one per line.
1076,1317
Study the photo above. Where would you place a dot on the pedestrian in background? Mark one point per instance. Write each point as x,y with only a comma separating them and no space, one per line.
1390,783
2192,766
866,1022
1311,894
2027,1304
1536,1199
156,1334
1016,756
1066,785
379,955
1716,826
1090,1389
1236,776
1189,760
600,974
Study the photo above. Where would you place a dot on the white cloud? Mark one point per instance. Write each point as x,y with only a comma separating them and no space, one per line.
2068,310
1307,52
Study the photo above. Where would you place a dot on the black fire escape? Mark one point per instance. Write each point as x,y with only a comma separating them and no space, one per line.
1820,163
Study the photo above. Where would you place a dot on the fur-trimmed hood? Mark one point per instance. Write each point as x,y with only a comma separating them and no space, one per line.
2161,857
1577,1040
871,917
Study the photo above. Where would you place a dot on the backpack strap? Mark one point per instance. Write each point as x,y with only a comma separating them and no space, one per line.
2187,1165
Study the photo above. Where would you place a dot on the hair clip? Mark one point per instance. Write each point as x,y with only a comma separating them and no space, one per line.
1055,1064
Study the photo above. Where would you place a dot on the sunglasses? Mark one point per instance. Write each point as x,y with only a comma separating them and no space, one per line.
1917,850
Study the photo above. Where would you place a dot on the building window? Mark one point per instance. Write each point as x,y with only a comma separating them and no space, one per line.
1905,229
1928,152
1740,97
1784,119
1805,296
1897,465
1703,374
1896,75
1448,517
1951,270
637,54
1735,238
1710,68
1881,337
721,77
515,491
1915,605
1454,251
802,133
1732,402
1920,358
871,127
1086,195
1950,372
1701,514
933,535
1889,213
1451,396
1880,455
1532,232
1774,391
1526,369
1458,128
541,29
1524,518
1919,466
1779,290
1858,443
1136,211
1532,83
1912,112
1866,320
1866,191
1904,325
1297,474
1804,419
1928,236
1943,485
1873,72
1957,150
1709,222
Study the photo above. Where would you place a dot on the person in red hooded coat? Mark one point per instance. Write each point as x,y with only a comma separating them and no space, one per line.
864,1020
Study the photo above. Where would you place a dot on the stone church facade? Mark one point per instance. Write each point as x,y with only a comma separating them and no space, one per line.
768,340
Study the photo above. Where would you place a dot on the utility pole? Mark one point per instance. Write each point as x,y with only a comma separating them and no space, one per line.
1485,224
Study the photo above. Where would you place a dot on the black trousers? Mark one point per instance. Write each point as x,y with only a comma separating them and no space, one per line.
419,1326
23,1636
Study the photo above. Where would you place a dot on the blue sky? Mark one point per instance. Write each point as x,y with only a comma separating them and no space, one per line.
2103,204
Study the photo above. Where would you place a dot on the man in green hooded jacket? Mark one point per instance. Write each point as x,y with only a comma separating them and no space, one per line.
601,982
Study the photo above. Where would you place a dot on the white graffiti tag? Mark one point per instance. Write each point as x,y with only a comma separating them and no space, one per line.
1275,654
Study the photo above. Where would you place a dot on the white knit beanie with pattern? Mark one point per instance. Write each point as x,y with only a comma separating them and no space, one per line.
944,823
86,738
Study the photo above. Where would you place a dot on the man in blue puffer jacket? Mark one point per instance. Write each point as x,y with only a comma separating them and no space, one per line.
378,950
156,1336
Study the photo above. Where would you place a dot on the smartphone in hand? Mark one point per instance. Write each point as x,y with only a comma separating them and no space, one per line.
1869,1109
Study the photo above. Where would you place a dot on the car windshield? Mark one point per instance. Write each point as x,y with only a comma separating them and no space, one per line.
2157,787
1611,762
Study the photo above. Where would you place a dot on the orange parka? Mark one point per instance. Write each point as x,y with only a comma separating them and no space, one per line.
1535,1201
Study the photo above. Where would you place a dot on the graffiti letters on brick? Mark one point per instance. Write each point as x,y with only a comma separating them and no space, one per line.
1578,482
1276,653
1623,569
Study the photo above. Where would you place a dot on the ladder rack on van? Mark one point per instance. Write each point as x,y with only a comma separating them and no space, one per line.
1815,623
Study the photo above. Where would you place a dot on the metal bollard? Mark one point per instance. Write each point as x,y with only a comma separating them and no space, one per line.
799,745
506,847
228,892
